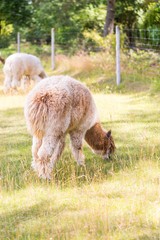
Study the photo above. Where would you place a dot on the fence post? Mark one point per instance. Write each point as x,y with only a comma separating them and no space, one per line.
18,42
52,50
118,70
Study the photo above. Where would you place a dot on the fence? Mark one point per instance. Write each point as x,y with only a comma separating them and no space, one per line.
148,40
137,39
144,39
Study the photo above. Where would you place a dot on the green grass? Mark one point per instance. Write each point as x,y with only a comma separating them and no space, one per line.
117,199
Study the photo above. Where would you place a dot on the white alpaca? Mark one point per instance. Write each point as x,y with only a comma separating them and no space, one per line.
20,68
56,106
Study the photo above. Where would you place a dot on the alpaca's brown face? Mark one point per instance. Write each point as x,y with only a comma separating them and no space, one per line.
109,146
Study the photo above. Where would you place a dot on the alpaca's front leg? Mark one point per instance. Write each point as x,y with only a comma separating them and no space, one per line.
25,82
36,78
16,81
76,146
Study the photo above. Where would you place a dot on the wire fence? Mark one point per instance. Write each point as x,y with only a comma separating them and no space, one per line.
144,39
71,42
55,43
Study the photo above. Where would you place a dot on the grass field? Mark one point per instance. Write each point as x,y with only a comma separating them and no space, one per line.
117,199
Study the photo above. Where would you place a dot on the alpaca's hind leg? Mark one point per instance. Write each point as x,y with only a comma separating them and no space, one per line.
58,150
43,164
7,83
76,146
36,144
48,154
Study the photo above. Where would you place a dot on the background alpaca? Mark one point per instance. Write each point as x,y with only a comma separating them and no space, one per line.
20,68
56,106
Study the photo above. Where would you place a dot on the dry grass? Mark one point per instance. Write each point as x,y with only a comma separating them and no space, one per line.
114,200
119,199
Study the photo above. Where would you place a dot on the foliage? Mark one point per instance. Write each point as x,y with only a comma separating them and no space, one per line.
91,17
6,30
15,12
126,13
95,41
15,16
70,19
118,198
151,18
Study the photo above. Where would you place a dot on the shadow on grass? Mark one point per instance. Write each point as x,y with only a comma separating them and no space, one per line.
13,225
151,236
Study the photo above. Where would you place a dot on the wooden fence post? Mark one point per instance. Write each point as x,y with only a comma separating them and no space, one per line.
118,69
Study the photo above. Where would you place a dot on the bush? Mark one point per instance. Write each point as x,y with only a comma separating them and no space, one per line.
95,40
6,30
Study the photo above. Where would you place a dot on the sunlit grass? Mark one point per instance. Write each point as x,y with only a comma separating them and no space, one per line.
140,70
118,199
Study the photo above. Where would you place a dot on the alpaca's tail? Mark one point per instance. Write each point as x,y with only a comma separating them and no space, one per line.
36,112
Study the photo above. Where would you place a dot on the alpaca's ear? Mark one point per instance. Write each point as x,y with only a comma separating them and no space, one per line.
108,134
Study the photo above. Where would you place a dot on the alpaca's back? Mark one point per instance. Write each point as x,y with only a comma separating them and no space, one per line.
57,106
59,103
22,64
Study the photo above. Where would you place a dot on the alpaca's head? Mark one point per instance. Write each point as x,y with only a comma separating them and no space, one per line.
100,141
107,147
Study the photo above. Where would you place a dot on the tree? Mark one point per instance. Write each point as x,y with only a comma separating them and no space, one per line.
69,18
15,12
151,18
109,22
150,21
126,15
13,15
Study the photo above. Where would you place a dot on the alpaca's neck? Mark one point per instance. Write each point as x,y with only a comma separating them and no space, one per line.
95,137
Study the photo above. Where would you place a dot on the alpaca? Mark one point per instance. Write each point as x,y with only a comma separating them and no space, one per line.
20,68
56,106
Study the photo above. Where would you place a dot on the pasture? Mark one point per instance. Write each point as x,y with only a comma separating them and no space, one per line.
111,200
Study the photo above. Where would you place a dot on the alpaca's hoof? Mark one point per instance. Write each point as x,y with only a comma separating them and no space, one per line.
43,169
44,176
81,163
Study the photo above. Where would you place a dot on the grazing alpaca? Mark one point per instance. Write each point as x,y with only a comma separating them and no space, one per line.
21,67
56,106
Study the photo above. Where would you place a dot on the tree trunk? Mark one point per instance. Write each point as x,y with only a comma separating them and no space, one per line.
109,22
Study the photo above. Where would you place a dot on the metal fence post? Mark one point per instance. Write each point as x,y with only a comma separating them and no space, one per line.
18,42
52,50
118,70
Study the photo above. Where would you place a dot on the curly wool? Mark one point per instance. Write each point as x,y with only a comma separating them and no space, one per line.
22,67
56,106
